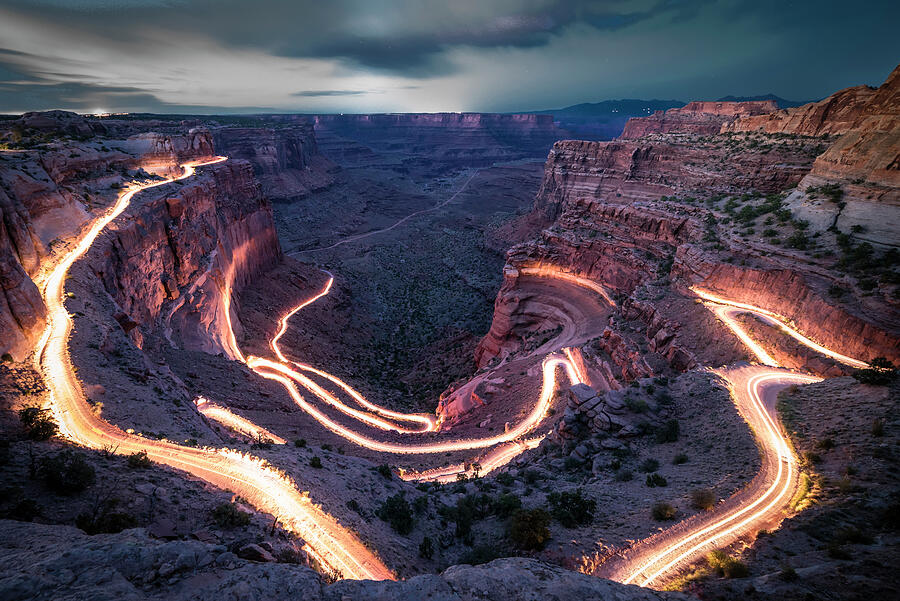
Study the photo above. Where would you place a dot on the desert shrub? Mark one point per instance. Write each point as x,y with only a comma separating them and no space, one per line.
663,511
385,470
680,459
227,515
878,427
532,476
703,499
67,473
528,529
788,574
315,462
6,358
426,548
880,372
38,423
397,512
654,480
668,432
105,519
505,479
571,508
354,505
726,566
480,554
649,465
326,447
506,504
300,443
139,460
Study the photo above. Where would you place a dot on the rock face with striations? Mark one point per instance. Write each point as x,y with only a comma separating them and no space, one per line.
175,258
50,194
285,159
701,118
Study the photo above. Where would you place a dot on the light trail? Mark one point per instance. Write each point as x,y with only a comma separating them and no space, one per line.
544,270
234,421
750,387
262,485
781,322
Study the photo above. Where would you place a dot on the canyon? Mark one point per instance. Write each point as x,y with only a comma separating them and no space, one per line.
464,250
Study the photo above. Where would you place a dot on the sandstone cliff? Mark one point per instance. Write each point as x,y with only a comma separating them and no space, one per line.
285,159
176,257
701,118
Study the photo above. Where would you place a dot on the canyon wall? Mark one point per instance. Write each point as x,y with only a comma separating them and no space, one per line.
626,214
699,118
48,194
464,139
285,159
179,253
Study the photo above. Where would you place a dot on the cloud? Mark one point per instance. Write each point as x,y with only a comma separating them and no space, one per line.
318,93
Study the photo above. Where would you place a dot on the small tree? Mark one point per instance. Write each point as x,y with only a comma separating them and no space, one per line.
572,508
139,460
38,423
426,548
397,512
528,529
67,473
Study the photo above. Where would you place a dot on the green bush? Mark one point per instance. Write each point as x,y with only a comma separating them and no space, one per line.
680,459
38,423
880,372
654,480
67,473
663,511
506,504
668,432
139,460
703,499
649,465
397,512
227,515
315,462
726,566
528,529
300,443
571,508
385,470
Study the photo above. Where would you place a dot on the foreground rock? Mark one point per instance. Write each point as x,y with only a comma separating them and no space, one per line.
60,563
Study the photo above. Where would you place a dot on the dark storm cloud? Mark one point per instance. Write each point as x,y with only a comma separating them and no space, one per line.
402,36
366,55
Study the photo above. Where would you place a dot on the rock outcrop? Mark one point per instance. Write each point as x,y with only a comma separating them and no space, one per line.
699,118
285,159
181,251
61,563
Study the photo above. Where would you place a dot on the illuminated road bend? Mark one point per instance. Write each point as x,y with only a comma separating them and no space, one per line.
667,553
263,486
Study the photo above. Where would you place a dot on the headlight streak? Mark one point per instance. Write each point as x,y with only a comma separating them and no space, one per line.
265,487
664,555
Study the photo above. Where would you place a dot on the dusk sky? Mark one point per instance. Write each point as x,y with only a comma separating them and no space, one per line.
449,55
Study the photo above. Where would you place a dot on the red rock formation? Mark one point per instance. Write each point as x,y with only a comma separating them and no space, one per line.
286,159
179,253
700,118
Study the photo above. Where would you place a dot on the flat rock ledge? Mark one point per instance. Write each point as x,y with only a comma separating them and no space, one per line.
62,563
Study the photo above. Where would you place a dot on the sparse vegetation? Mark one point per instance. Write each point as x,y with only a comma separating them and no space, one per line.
315,462
663,511
528,529
655,480
39,425
67,473
703,499
571,508
397,512
725,565
426,548
880,372
139,460
385,470
227,515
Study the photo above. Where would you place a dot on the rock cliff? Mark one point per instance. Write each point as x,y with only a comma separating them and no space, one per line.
285,159
703,118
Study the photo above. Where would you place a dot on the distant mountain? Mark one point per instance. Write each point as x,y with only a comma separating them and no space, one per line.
781,102
605,120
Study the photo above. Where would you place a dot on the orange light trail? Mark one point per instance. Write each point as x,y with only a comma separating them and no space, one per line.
671,550
234,421
265,487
